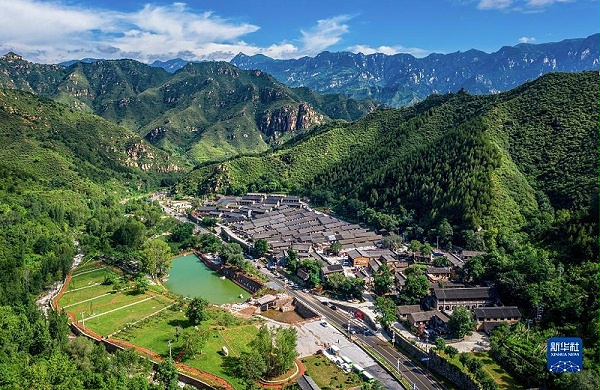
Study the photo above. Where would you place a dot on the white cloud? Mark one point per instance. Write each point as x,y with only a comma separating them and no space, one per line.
51,31
526,40
390,50
527,6
326,33
44,31
494,4
544,3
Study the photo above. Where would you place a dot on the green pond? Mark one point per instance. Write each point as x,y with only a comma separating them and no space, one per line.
190,277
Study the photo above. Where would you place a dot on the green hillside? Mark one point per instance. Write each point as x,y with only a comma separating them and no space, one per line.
480,161
61,172
204,112
514,174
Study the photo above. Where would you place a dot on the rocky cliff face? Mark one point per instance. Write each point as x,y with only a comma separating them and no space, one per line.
289,118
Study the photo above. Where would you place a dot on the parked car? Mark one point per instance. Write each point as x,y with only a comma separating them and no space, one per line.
324,323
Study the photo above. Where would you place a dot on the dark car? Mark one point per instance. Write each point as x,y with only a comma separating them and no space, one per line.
333,307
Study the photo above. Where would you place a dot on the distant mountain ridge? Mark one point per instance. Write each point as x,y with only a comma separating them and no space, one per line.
204,111
402,79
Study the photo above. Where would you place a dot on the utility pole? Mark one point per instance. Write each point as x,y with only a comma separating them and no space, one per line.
170,355
83,318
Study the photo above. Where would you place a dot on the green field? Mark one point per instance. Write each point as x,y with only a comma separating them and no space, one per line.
155,333
150,320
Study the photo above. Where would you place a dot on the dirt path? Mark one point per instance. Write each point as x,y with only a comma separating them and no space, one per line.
45,299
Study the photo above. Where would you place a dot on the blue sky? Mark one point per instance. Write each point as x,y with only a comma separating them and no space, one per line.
54,31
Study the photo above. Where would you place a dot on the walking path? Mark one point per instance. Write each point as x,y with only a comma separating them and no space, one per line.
85,300
82,288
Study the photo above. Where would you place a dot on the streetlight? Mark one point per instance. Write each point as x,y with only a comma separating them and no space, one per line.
83,319
170,355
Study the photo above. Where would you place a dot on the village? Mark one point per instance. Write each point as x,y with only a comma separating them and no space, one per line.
289,223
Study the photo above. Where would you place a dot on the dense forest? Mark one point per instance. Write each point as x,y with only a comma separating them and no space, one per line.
514,174
63,176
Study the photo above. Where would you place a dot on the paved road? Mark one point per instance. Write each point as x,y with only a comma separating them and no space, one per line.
342,320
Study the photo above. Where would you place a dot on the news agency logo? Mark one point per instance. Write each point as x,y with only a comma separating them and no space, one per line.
564,354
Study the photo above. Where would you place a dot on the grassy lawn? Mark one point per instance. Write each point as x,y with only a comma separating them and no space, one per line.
88,275
504,380
115,310
155,333
112,321
327,375
72,297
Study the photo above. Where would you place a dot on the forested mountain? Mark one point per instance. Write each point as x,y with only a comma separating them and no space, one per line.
466,157
205,111
515,174
402,79
64,176
56,165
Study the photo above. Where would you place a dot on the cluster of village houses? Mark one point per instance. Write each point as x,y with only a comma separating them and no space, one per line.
287,222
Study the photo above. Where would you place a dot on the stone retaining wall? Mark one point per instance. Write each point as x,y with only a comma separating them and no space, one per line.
304,310
436,363
246,282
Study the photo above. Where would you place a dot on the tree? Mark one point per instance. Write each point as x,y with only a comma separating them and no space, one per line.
461,322
440,344
376,385
196,310
275,347
415,289
450,350
383,280
414,246
167,374
156,257
391,241
131,233
335,282
251,365
231,253
336,247
444,232
194,343
209,221
313,268
261,247
210,243
473,269
140,283
58,327
182,232
292,261
386,311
